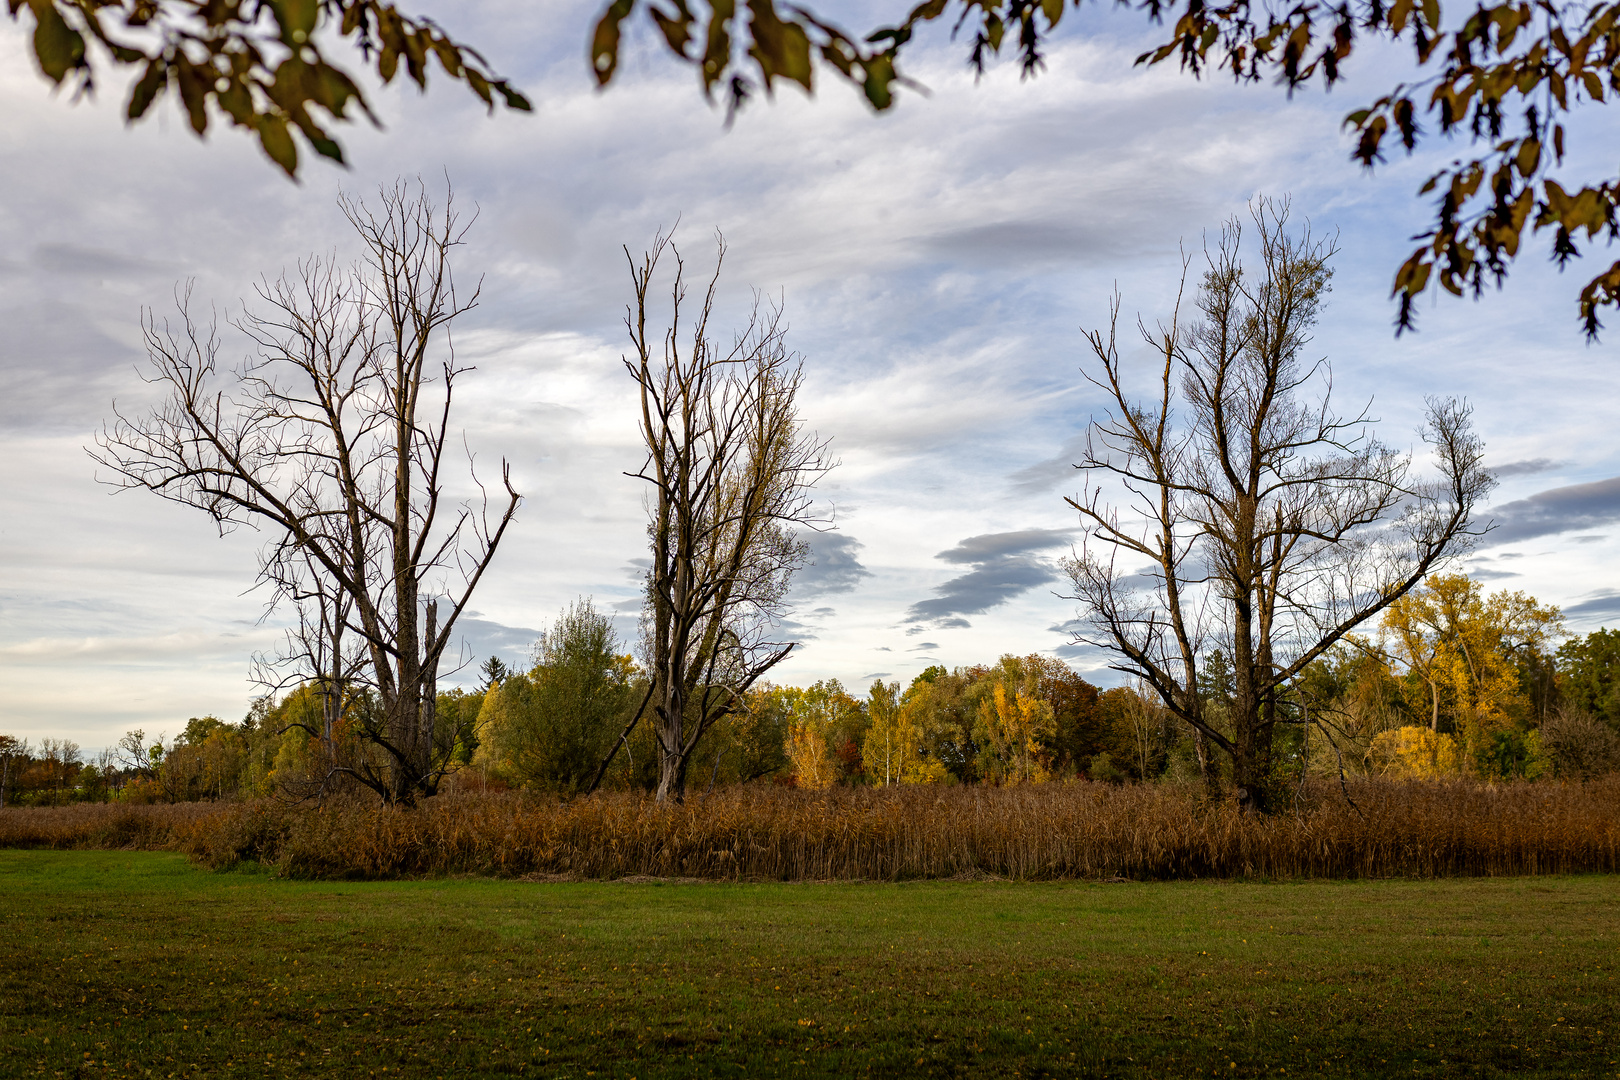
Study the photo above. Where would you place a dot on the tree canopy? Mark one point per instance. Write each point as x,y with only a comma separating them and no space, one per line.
258,63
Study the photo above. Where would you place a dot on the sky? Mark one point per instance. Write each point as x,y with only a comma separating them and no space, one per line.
938,264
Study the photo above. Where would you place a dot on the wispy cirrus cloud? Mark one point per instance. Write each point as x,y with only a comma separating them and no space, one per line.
1527,467
1004,565
1595,605
1050,472
1556,510
835,566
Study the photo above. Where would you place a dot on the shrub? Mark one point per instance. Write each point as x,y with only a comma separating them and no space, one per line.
1580,746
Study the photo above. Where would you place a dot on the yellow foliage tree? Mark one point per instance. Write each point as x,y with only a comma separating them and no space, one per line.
925,771
823,718
890,742
1416,752
807,752
1015,728
1463,653
1459,648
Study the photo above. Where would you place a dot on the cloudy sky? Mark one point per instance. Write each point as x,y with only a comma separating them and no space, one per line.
937,263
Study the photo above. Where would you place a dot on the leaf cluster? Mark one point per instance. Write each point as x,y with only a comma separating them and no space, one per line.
258,64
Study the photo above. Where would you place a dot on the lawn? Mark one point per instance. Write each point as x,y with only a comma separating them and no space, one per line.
119,963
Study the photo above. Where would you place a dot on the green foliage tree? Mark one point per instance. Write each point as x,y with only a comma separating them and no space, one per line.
1589,674
13,753
494,670
1578,745
1344,700
456,722
205,761
889,744
549,729
751,742
941,707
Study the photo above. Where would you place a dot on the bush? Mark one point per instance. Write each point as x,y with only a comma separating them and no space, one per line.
1580,745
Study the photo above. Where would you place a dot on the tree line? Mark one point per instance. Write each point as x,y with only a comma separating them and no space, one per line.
1453,683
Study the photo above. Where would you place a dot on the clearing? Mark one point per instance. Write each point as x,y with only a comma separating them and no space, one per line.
123,963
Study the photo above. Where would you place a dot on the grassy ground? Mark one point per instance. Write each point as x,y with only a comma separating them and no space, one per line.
117,963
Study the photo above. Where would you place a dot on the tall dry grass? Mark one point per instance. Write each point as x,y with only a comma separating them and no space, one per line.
116,826
1039,832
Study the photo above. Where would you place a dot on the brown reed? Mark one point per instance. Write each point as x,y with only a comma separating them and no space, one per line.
759,832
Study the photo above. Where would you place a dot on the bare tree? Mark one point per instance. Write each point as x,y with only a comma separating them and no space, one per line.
333,439
1271,526
730,467
61,758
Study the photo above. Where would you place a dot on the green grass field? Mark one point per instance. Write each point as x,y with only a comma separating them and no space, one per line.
132,964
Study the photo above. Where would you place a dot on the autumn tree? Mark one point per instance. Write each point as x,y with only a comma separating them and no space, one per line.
1013,731
60,762
1578,745
826,729
1464,649
1077,726
730,469
751,742
1062,707
890,740
1271,527
1345,699
940,707
1136,735
1415,753
332,438
1472,661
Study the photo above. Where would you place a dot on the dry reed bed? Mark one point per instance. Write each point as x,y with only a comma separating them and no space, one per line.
104,825
760,833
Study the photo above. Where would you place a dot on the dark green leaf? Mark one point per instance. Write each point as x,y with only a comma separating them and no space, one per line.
57,46
278,143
